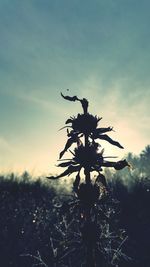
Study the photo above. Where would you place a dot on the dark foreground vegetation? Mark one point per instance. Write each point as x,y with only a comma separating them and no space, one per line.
32,222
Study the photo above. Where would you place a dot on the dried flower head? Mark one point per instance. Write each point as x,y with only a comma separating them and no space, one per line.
88,156
84,123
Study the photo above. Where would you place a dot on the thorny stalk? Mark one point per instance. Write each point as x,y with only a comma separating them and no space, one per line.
88,229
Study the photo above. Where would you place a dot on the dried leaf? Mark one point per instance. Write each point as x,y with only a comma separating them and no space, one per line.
109,164
102,130
99,119
69,171
83,101
65,164
68,121
70,141
61,154
111,141
65,127
119,165
70,98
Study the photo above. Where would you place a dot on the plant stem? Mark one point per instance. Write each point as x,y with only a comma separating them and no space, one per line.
87,171
90,252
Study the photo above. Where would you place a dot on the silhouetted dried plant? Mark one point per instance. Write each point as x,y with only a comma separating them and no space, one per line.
83,131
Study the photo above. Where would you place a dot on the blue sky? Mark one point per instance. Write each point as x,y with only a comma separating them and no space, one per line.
99,49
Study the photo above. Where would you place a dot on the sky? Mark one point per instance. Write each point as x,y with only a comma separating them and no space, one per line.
99,49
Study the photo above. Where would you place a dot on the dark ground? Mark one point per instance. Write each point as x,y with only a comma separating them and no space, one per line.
28,219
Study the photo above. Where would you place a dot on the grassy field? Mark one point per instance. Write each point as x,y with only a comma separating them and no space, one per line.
30,215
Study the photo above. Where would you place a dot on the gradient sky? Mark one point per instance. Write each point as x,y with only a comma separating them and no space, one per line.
99,49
